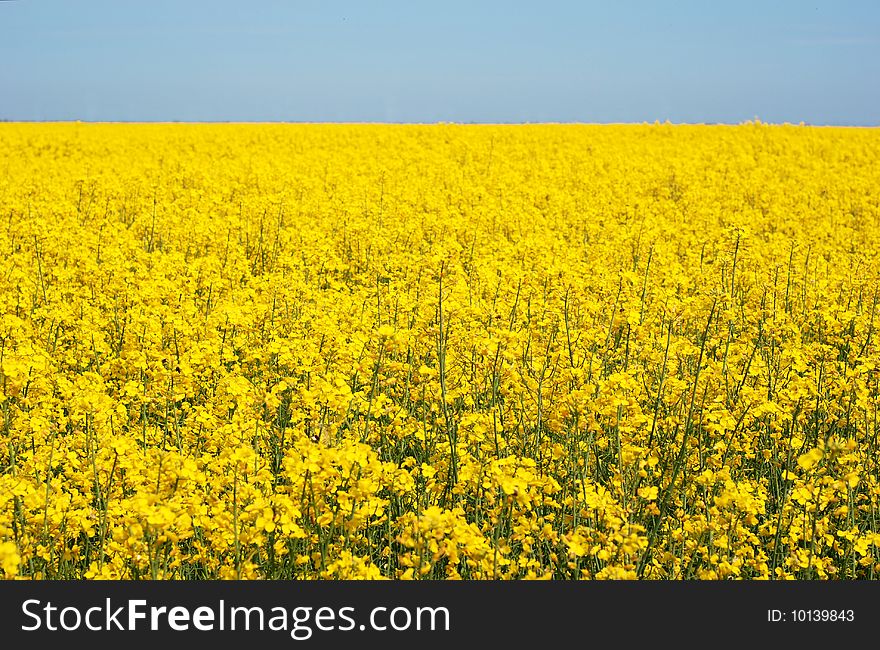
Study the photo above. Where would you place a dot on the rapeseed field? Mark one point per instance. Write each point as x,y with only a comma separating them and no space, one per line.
441,351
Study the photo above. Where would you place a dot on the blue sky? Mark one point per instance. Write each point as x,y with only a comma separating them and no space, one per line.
457,61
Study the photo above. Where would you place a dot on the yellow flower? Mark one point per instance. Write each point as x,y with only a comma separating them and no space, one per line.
809,460
10,560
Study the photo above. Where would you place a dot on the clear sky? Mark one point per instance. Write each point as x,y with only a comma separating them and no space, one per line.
448,60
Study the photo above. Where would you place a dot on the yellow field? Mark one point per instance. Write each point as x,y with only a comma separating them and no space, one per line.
345,351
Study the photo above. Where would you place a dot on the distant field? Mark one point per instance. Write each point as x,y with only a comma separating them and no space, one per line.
363,351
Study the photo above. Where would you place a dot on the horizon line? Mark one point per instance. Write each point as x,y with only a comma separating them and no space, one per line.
754,121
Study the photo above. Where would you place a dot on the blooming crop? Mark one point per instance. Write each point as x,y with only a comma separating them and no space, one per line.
351,351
